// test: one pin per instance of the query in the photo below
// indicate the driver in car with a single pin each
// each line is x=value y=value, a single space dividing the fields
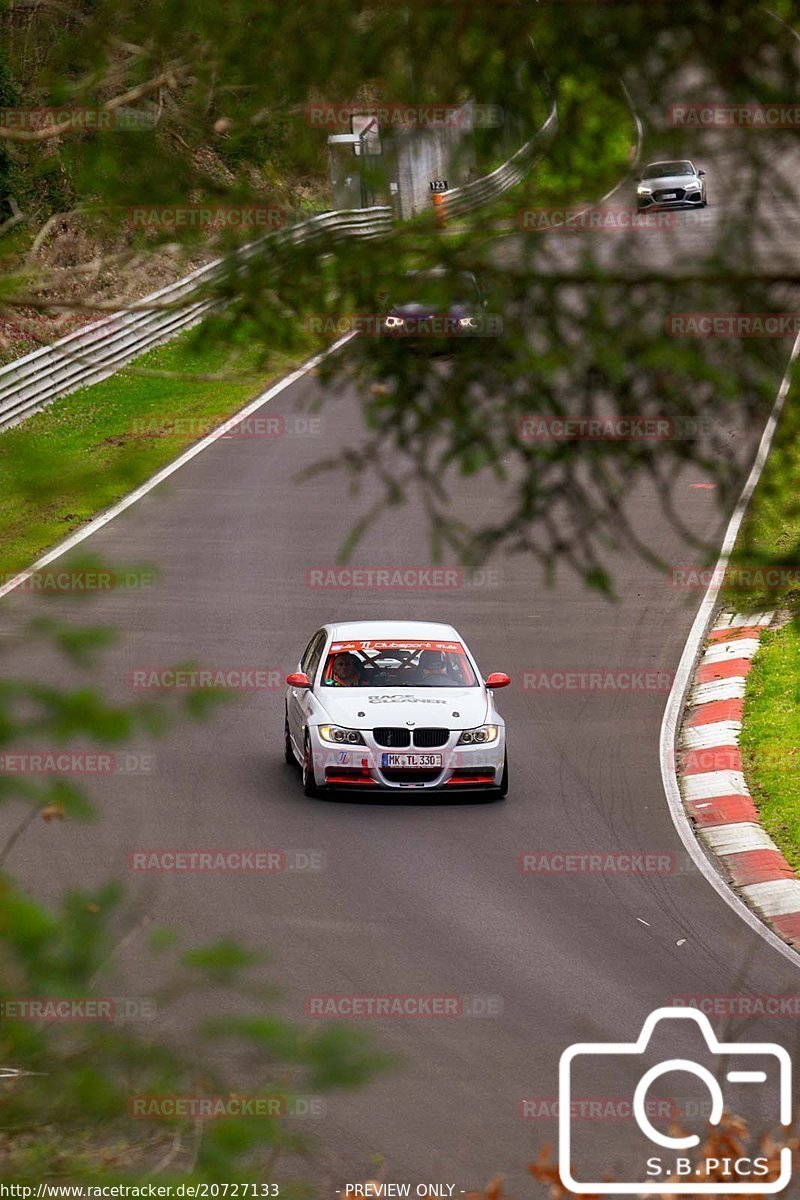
x=346 y=671
x=431 y=663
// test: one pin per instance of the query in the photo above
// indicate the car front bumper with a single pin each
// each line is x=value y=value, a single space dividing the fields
x=649 y=203
x=361 y=768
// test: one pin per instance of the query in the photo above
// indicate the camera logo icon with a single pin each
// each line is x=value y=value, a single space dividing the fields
x=668 y=1169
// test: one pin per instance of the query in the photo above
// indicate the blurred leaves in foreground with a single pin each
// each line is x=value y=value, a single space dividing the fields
x=70 y=1086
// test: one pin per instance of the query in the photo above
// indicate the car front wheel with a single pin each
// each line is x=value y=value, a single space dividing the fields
x=288 y=748
x=309 y=783
x=502 y=791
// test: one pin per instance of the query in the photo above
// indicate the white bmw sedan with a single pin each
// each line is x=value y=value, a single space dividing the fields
x=394 y=706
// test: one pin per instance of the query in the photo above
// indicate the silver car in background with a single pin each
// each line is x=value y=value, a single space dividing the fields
x=674 y=183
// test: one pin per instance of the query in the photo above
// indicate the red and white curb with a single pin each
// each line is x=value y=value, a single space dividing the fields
x=712 y=782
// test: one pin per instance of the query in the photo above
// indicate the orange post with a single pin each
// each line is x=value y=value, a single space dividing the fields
x=440 y=204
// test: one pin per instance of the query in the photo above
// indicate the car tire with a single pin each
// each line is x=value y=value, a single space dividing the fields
x=502 y=791
x=288 y=749
x=310 y=788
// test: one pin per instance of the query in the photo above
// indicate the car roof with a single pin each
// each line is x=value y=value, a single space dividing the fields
x=386 y=630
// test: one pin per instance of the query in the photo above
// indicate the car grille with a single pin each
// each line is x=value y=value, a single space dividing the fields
x=398 y=738
x=675 y=193
x=392 y=737
x=431 y=737
x=411 y=774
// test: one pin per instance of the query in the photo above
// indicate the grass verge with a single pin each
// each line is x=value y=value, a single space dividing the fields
x=771 y=737
x=763 y=574
x=86 y=451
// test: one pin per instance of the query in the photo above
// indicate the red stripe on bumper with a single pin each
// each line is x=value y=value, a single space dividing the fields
x=469 y=779
x=351 y=780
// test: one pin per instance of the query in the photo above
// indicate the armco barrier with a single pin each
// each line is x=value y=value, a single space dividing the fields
x=99 y=349
x=458 y=201
x=102 y=347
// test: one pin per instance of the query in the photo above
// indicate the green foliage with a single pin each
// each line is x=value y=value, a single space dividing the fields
x=69 y=1104
x=8 y=176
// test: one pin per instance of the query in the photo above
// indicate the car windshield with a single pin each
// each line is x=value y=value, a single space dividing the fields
x=397 y=664
x=437 y=291
x=661 y=169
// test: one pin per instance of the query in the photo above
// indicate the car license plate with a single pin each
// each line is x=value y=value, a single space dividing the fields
x=670 y=196
x=411 y=760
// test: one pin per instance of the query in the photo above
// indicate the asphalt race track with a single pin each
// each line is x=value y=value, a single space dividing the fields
x=414 y=898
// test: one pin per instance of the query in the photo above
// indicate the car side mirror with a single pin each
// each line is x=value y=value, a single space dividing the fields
x=498 y=679
x=298 y=679
x=701 y=173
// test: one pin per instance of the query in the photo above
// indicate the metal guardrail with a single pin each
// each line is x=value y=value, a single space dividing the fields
x=102 y=347
x=460 y=200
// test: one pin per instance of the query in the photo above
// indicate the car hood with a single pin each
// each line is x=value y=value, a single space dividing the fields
x=424 y=706
x=669 y=182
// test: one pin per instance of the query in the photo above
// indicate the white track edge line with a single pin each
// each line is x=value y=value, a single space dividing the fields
x=104 y=518
x=683 y=681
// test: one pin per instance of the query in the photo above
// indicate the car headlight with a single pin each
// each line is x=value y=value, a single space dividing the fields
x=694 y=186
x=479 y=736
x=644 y=190
x=393 y=322
x=334 y=733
